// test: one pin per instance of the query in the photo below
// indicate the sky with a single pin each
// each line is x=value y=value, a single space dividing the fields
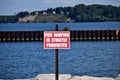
x=10 y=7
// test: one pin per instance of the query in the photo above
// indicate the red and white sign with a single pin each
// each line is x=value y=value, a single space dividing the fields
x=56 y=40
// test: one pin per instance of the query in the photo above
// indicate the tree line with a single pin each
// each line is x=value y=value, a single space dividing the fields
x=78 y=13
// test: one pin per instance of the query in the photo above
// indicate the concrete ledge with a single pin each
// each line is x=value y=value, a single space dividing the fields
x=90 y=78
x=17 y=79
x=52 y=77
x=118 y=77
x=67 y=77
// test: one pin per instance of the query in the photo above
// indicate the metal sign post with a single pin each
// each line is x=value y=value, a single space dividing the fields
x=56 y=40
x=57 y=60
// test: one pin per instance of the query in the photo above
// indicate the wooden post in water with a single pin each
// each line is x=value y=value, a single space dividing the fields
x=18 y=36
x=78 y=35
x=4 y=36
x=36 y=36
x=0 y=37
x=72 y=35
x=41 y=35
x=89 y=35
x=107 y=35
x=81 y=35
x=98 y=35
x=110 y=35
x=31 y=35
x=116 y=37
x=22 y=36
x=8 y=36
x=85 y=35
x=119 y=35
x=94 y=35
x=27 y=36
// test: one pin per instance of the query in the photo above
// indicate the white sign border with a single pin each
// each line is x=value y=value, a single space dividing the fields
x=57 y=48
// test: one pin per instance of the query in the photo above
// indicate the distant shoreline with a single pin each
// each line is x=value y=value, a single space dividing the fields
x=58 y=22
x=77 y=13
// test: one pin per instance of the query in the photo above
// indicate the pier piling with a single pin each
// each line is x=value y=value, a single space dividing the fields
x=76 y=35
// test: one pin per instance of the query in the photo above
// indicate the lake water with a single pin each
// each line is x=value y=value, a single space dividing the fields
x=27 y=59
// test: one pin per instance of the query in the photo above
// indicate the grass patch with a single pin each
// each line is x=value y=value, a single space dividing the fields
x=50 y=18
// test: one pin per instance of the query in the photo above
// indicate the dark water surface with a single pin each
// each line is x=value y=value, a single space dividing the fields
x=27 y=59
x=51 y=26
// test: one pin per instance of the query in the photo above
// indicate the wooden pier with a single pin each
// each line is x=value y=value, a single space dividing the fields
x=76 y=35
x=95 y=35
x=16 y=36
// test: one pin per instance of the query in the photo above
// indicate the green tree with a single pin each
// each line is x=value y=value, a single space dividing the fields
x=22 y=14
